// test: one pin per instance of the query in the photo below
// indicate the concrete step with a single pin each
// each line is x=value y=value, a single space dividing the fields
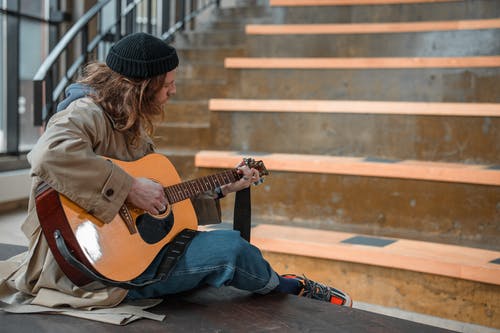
x=199 y=89
x=406 y=199
x=406 y=44
x=244 y=12
x=182 y=159
x=345 y=132
x=210 y=39
x=423 y=84
x=208 y=55
x=235 y=23
x=183 y=136
x=201 y=71
x=396 y=12
x=391 y=272
x=195 y=112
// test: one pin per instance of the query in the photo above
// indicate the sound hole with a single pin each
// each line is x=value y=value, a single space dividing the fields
x=153 y=230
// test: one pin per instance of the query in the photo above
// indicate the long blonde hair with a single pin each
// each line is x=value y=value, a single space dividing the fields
x=130 y=102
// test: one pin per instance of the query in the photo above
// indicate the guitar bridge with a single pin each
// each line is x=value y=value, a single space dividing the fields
x=127 y=218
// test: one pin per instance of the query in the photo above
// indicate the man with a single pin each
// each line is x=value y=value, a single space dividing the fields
x=114 y=115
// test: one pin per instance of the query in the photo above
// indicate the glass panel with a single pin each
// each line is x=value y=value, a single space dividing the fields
x=30 y=7
x=33 y=49
x=33 y=46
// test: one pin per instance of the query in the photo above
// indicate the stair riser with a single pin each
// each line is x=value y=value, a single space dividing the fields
x=426 y=44
x=445 y=297
x=470 y=9
x=210 y=39
x=452 y=213
x=430 y=85
x=205 y=71
x=192 y=138
x=207 y=56
x=200 y=91
x=431 y=138
x=244 y=12
x=194 y=113
x=184 y=164
x=235 y=23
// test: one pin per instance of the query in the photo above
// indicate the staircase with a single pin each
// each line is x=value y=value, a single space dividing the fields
x=379 y=121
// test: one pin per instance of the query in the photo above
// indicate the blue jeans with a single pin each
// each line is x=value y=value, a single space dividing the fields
x=216 y=258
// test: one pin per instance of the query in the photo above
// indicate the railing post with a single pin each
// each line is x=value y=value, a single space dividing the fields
x=192 y=9
x=118 y=13
x=165 y=16
x=149 y=25
x=84 y=42
x=12 y=81
x=129 y=19
x=48 y=109
x=181 y=13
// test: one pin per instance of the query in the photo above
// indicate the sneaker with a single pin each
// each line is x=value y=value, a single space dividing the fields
x=319 y=291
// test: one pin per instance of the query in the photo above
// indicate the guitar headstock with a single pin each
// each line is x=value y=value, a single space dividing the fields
x=257 y=165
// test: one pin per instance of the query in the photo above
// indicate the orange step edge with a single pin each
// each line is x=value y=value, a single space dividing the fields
x=370 y=28
x=362 y=63
x=356 y=107
x=426 y=257
x=356 y=166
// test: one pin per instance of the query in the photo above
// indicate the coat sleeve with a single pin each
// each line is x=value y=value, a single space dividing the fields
x=64 y=158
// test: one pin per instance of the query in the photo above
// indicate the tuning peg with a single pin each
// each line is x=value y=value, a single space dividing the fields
x=260 y=181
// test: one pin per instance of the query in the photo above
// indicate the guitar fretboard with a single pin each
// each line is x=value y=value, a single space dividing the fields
x=192 y=188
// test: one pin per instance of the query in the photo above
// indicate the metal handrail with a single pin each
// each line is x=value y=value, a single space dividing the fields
x=45 y=96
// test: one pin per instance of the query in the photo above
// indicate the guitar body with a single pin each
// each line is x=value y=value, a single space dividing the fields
x=115 y=250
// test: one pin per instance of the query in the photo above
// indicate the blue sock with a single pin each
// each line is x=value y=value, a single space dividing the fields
x=289 y=286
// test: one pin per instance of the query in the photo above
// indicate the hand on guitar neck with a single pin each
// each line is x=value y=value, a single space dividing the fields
x=249 y=176
x=149 y=195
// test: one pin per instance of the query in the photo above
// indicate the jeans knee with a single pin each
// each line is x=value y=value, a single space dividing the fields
x=236 y=244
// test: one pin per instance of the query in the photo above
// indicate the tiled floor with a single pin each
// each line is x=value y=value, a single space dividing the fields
x=10 y=233
x=10 y=228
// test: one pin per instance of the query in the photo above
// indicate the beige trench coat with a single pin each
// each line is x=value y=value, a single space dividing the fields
x=66 y=157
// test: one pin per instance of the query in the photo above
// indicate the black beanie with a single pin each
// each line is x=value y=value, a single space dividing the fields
x=141 y=55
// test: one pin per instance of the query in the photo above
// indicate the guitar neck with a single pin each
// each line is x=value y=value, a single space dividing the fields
x=192 y=188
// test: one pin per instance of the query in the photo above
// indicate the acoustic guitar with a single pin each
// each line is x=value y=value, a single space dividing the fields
x=123 y=248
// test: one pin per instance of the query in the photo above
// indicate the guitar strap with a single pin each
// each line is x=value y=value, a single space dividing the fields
x=175 y=250
x=243 y=213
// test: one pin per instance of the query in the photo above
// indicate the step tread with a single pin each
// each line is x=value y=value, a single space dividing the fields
x=362 y=62
x=370 y=28
x=359 y=166
x=359 y=107
x=441 y=259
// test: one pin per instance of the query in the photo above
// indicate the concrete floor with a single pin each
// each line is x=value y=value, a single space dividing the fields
x=10 y=233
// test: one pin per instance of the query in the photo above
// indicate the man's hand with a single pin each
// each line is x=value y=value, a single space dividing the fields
x=147 y=195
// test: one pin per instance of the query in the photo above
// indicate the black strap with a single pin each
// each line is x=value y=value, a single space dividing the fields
x=176 y=249
x=179 y=244
x=243 y=213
